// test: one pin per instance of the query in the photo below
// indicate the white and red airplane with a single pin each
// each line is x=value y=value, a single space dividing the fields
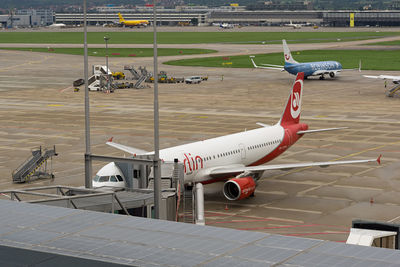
x=237 y=158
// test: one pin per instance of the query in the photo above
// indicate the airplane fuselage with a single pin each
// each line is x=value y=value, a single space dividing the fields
x=313 y=68
x=249 y=148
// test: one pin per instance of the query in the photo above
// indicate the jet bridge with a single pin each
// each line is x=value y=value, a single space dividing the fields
x=374 y=234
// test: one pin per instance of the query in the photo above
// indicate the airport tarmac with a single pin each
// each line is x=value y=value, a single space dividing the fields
x=40 y=108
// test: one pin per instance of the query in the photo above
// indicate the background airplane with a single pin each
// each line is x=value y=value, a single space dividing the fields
x=132 y=23
x=224 y=25
x=235 y=159
x=294 y=25
x=318 y=68
x=395 y=79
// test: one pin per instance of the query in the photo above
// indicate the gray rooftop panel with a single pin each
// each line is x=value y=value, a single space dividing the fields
x=30 y=236
x=295 y=243
x=230 y=261
x=79 y=237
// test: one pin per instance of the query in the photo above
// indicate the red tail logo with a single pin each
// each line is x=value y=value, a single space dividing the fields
x=287 y=57
x=293 y=107
x=296 y=99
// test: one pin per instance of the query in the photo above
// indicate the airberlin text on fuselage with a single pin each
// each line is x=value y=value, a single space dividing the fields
x=192 y=163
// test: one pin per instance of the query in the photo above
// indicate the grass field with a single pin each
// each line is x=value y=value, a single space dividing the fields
x=371 y=59
x=118 y=52
x=386 y=43
x=186 y=37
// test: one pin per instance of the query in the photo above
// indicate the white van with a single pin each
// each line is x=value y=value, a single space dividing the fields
x=193 y=79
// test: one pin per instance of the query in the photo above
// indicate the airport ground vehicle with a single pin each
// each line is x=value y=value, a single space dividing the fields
x=118 y=75
x=193 y=79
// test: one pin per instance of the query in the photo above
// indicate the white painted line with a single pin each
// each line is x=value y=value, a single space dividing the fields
x=295 y=210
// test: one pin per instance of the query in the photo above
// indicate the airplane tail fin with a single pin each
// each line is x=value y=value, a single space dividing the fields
x=291 y=114
x=121 y=18
x=286 y=53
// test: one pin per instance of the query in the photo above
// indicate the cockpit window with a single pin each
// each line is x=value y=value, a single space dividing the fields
x=103 y=179
x=96 y=178
x=120 y=178
x=113 y=179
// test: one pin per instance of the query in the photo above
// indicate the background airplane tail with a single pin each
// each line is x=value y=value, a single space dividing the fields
x=121 y=18
x=291 y=113
x=286 y=54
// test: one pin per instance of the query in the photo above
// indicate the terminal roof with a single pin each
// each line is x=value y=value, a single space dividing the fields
x=40 y=235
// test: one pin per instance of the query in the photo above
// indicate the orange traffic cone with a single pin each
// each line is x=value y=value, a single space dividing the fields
x=226 y=207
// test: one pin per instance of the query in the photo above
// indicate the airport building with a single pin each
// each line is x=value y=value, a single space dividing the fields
x=204 y=17
x=28 y=18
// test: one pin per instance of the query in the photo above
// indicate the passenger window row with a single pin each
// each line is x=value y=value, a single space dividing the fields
x=229 y=153
x=263 y=145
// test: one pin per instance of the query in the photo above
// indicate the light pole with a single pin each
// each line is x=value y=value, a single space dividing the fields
x=156 y=167
x=88 y=161
x=108 y=78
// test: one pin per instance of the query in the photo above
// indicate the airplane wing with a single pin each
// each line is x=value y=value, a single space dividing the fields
x=257 y=169
x=266 y=66
x=131 y=150
x=321 y=130
x=384 y=77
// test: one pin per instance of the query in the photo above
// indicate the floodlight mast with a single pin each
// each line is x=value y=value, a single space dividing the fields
x=106 y=38
x=88 y=161
x=156 y=165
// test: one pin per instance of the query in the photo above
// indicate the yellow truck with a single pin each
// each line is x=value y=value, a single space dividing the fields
x=118 y=75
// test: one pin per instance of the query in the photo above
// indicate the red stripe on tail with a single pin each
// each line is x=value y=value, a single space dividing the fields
x=291 y=114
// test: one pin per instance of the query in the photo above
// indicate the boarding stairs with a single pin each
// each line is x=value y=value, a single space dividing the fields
x=34 y=166
x=139 y=83
x=393 y=91
x=134 y=73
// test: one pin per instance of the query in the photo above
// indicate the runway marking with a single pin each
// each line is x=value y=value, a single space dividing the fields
x=26 y=63
x=321 y=233
x=55 y=105
x=17 y=86
x=394 y=219
x=295 y=210
x=240 y=221
x=65 y=89
x=367 y=170
x=216 y=213
x=358 y=187
x=292 y=226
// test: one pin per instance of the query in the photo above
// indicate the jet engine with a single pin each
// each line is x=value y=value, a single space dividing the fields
x=332 y=74
x=239 y=188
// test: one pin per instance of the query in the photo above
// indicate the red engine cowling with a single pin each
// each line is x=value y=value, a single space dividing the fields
x=239 y=188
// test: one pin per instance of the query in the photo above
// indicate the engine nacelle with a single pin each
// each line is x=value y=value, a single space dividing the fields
x=239 y=188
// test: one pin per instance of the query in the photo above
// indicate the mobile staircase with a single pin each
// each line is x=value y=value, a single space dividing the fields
x=35 y=166
x=141 y=75
x=393 y=91
x=139 y=83
x=133 y=71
